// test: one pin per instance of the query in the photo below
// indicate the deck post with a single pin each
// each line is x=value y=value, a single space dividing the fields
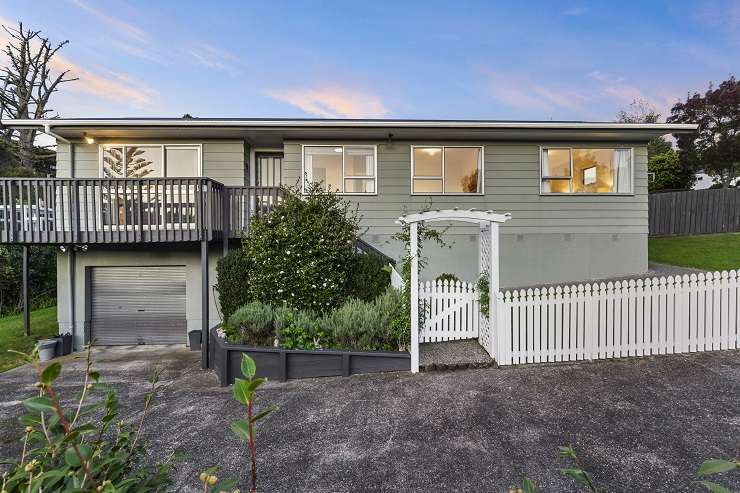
x=26 y=307
x=204 y=302
x=414 y=253
x=226 y=219
x=71 y=300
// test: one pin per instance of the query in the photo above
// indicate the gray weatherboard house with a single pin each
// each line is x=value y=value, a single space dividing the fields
x=142 y=209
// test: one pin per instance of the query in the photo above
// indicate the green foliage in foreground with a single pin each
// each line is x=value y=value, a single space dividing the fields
x=708 y=252
x=244 y=392
x=43 y=326
x=84 y=446
x=577 y=473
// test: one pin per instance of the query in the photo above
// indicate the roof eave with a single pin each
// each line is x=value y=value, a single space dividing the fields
x=327 y=123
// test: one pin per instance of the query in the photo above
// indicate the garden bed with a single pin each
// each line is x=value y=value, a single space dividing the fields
x=283 y=364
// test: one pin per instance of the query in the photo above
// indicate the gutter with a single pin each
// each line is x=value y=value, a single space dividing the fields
x=47 y=130
x=348 y=123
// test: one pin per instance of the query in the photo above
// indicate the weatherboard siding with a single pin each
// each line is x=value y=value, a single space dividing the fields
x=223 y=161
x=562 y=237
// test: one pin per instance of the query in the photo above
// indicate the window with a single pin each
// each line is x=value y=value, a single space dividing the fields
x=586 y=170
x=150 y=161
x=446 y=170
x=348 y=169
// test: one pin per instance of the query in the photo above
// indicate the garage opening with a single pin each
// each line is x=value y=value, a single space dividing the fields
x=137 y=305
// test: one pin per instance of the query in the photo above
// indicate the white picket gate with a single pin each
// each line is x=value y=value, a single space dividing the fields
x=617 y=319
x=449 y=310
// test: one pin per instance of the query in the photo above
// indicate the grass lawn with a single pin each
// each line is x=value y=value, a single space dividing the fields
x=43 y=325
x=708 y=252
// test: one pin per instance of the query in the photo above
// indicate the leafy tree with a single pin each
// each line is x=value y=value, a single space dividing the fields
x=42 y=277
x=641 y=111
x=715 y=146
x=668 y=172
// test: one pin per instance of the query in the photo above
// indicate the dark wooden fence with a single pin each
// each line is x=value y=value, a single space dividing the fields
x=695 y=212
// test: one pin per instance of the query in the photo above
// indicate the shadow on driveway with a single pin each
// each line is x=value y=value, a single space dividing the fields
x=638 y=425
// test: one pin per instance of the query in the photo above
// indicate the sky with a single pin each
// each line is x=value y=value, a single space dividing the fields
x=524 y=60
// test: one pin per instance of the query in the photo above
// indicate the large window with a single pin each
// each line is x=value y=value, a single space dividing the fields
x=586 y=170
x=347 y=169
x=150 y=161
x=446 y=170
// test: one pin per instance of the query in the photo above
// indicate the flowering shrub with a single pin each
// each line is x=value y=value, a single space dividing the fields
x=302 y=250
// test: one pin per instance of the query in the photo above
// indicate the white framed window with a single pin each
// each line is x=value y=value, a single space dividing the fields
x=446 y=170
x=345 y=169
x=150 y=160
x=586 y=170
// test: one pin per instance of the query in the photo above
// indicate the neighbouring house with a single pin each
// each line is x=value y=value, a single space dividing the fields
x=142 y=209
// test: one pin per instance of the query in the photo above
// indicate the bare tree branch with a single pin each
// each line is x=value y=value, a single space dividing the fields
x=27 y=83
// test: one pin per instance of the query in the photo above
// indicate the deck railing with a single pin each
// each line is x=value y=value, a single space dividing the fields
x=123 y=210
x=245 y=203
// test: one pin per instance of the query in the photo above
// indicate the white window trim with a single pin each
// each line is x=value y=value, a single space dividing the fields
x=162 y=146
x=481 y=168
x=344 y=177
x=585 y=194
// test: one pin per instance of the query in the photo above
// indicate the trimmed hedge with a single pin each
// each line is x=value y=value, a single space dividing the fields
x=232 y=281
x=368 y=277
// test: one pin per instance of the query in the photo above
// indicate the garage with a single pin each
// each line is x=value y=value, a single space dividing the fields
x=137 y=305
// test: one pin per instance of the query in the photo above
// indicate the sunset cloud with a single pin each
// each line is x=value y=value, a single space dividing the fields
x=99 y=83
x=123 y=27
x=110 y=85
x=215 y=58
x=520 y=92
x=333 y=102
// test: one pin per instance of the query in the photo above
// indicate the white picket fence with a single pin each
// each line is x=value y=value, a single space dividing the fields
x=617 y=319
x=449 y=310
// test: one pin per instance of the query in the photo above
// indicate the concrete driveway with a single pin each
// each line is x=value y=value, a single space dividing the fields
x=638 y=425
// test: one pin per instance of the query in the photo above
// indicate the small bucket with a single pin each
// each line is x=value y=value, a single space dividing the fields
x=47 y=349
x=194 y=337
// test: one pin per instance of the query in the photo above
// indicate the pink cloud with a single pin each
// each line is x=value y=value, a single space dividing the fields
x=101 y=83
x=520 y=92
x=333 y=102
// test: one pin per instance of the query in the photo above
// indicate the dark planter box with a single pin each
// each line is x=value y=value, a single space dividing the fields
x=284 y=364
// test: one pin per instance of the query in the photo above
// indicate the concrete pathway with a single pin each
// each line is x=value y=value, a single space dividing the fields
x=643 y=424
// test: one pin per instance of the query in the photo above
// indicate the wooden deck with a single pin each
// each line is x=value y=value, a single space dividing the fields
x=60 y=211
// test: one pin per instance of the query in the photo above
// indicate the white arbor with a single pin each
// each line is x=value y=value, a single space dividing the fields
x=488 y=263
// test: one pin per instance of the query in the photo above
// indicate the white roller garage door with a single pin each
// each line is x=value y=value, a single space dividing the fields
x=138 y=305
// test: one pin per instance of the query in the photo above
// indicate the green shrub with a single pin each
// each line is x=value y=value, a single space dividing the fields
x=447 y=277
x=302 y=250
x=232 y=282
x=254 y=321
x=355 y=325
x=376 y=325
x=367 y=278
x=394 y=319
x=300 y=329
